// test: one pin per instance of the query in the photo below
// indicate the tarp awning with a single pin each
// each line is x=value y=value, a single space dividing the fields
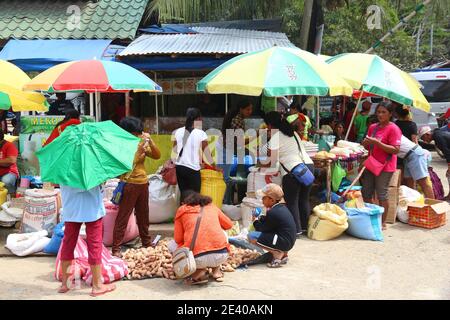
x=39 y=55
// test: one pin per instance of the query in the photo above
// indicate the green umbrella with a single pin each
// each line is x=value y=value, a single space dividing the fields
x=86 y=155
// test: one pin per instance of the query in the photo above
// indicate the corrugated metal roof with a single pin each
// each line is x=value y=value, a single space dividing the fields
x=208 y=40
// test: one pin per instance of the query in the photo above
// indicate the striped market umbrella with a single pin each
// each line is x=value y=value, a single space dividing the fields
x=12 y=79
x=374 y=75
x=92 y=76
x=274 y=72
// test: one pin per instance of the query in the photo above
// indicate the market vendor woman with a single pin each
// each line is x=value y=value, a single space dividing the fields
x=383 y=142
x=135 y=193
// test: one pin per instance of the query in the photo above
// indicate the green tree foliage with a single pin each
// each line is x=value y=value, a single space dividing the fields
x=346 y=27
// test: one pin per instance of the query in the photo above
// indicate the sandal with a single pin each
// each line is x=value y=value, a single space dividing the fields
x=190 y=281
x=285 y=259
x=276 y=263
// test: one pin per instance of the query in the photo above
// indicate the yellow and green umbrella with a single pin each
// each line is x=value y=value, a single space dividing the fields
x=372 y=74
x=274 y=72
x=12 y=79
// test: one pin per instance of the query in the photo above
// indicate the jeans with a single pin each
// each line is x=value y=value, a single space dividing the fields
x=10 y=180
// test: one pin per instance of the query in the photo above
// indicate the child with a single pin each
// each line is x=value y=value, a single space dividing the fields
x=276 y=231
x=339 y=132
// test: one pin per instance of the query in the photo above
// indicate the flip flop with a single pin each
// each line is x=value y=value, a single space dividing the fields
x=276 y=263
x=190 y=281
x=285 y=259
x=109 y=289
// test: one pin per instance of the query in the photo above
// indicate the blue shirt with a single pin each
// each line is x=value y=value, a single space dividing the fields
x=81 y=205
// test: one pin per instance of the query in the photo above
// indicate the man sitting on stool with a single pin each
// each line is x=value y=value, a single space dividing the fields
x=8 y=164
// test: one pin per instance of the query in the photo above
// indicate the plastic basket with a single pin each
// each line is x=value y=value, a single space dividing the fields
x=426 y=218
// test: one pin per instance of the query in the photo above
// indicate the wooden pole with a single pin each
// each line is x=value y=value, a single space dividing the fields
x=329 y=181
x=354 y=115
x=127 y=104
x=157 y=112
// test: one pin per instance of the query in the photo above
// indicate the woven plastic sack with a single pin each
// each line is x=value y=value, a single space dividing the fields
x=365 y=223
x=113 y=268
x=109 y=220
x=328 y=221
x=213 y=185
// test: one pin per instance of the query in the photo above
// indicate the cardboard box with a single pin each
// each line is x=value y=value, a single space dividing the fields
x=393 y=197
x=431 y=214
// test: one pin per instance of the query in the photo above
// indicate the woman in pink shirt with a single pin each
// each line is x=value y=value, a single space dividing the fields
x=383 y=142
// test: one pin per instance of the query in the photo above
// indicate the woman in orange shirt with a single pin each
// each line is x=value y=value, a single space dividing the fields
x=211 y=246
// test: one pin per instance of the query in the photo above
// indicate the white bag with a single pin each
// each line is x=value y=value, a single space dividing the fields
x=24 y=244
x=247 y=207
x=405 y=196
x=259 y=177
x=16 y=213
x=162 y=200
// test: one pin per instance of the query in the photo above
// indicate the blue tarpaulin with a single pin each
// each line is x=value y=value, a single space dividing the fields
x=39 y=55
x=167 y=29
x=165 y=63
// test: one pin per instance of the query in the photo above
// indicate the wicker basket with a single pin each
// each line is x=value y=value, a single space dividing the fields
x=430 y=215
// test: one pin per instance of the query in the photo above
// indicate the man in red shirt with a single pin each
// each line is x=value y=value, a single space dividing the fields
x=8 y=163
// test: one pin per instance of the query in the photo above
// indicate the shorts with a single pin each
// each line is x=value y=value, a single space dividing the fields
x=211 y=260
x=370 y=183
x=416 y=165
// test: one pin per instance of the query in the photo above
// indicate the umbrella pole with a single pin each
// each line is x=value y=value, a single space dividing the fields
x=354 y=115
x=318 y=114
x=226 y=103
x=127 y=103
x=91 y=104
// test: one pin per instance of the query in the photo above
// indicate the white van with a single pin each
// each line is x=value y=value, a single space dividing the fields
x=436 y=89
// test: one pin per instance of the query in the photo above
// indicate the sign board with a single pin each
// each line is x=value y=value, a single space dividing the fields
x=34 y=131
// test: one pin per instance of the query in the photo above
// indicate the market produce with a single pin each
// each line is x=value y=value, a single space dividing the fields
x=237 y=257
x=157 y=262
x=150 y=262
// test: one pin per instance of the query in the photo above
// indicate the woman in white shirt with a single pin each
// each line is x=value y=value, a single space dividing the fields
x=286 y=147
x=415 y=166
x=190 y=142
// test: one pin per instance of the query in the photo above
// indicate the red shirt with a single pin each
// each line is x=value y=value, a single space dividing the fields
x=390 y=135
x=59 y=129
x=9 y=150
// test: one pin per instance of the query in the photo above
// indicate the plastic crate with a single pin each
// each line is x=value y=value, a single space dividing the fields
x=430 y=215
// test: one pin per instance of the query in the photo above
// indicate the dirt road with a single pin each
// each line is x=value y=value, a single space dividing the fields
x=411 y=263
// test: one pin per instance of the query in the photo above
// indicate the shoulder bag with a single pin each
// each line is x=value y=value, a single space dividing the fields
x=301 y=172
x=183 y=258
x=168 y=172
x=372 y=164
x=118 y=191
